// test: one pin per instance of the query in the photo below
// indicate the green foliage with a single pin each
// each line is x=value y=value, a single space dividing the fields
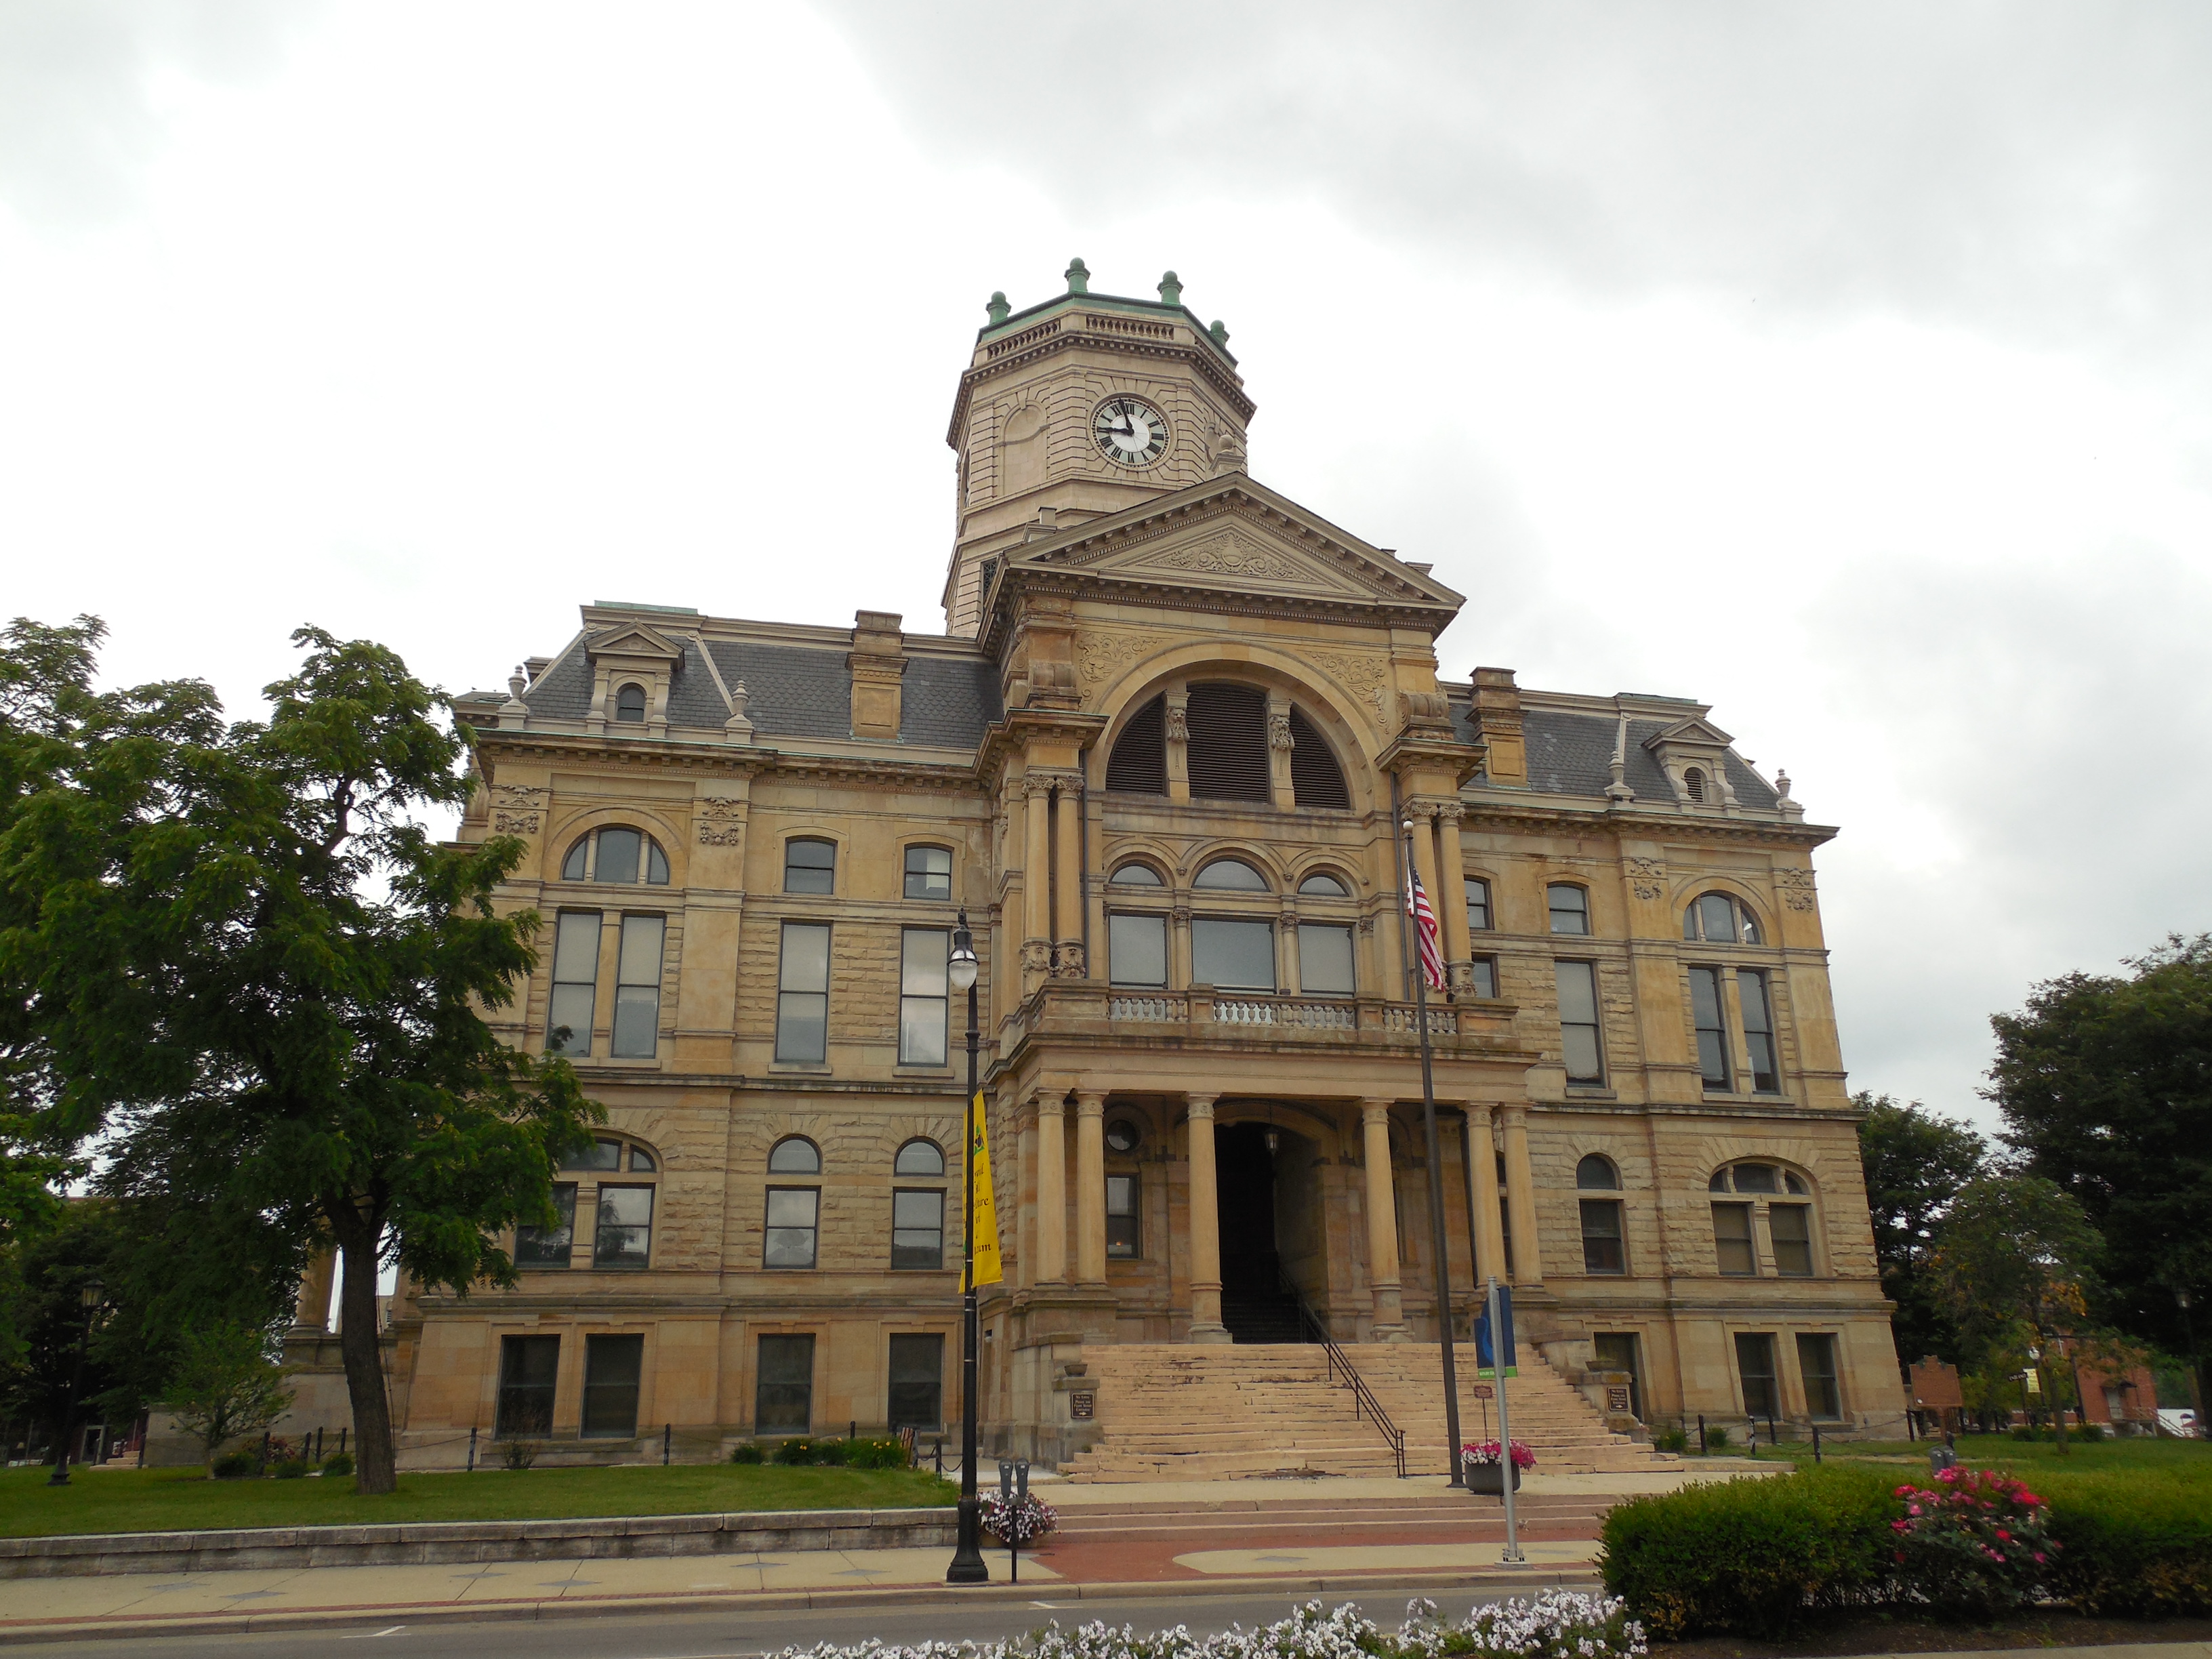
x=2137 y=1549
x=1717 y=1437
x=1676 y=1439
x=2106 y=1085
x=747 y=1451
x=1751 y=1557
x=338 y=1463
x=226 y=1386
x=518 y=1455
x=290 y=1469
x=1915 y=1161
x=875 y=1454
x=241 y=958
x=236 y=1466
x=799 y=1453
x=1974 y=1543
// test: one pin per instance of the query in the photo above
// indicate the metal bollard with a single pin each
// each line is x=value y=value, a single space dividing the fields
x=941 y=1456
x=667 y=1442
x=1704 y=1446
x=1816 y=1442
x=472 y=1451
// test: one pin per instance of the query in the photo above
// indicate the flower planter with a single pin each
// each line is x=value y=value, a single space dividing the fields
x=1488 y=1479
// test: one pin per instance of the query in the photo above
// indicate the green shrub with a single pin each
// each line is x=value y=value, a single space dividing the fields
x=236 y=1465
x=798 y=1452
x=832 y=1452
x=1717 y=1437
x=2092 y=1432
x=518 y=1455
x=290 y=1469
x=1671 y=1440
x=338 y=1463
x=2138 y=1547
x=875 y=1454
x=1750 y=1556
x=748 y=1452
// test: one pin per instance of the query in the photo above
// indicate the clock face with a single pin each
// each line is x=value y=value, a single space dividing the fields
x=1130 y=430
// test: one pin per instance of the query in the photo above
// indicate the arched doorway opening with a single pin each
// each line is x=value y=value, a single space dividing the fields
x=1274 y=1235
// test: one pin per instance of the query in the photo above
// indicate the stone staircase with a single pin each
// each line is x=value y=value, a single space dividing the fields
x=1187 y=1412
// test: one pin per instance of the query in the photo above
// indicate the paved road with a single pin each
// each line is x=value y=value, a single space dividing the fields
x=732 y=1635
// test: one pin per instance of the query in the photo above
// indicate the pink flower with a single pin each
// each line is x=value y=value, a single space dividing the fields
x=1912 y=1509
x=2005 y=1536
x=2040 y=1558
x=1900 y=1492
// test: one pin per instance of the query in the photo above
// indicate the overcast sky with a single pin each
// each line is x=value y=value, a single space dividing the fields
x=1843 y=366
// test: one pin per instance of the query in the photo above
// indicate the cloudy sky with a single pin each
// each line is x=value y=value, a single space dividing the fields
x=1843 y=366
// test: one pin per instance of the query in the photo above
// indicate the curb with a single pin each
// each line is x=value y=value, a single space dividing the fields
x=1528 y=1577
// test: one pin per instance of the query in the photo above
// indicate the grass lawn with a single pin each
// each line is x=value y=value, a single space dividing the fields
x=179 y=1500
x=2187 y=1461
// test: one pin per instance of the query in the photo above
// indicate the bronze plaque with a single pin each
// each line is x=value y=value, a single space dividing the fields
x=1082 y=1403
x=1616 y=1399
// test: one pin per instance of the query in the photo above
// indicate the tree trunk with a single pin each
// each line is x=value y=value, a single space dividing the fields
x=375 y=1466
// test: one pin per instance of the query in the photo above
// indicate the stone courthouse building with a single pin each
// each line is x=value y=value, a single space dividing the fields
x=1159 y=756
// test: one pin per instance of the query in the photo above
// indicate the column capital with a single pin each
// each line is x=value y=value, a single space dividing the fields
x=1478 y=1111
x=1090 y=1102
x=1451 y=812
x=1050 y=1103
x=1200 y=1107
x=1513 y=1115
x=1375 y=1111
x=1418 y=810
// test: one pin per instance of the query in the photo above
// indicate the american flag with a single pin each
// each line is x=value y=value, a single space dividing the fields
x=1424 y=930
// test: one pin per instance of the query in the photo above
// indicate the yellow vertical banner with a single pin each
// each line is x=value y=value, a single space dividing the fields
x=987 y=1271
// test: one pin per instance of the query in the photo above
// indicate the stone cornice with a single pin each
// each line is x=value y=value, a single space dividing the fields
x=1223 y=384
x=1482 y=814
x=888 y=771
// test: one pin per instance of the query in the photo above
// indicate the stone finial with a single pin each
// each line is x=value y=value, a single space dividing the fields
x=1782 y=804
x=998 y=309
x=737 y=727
x=1219 y=332
x=1171 y=288
x=514 y=704
x=1078 y=276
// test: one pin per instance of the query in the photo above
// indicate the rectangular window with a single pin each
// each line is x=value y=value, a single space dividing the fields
x=1578 y=1029
x=1754 y=1364
x=1732 y=1240
x=923 y=953
x=1569 y=908
x=1325 y=960
x=1484 y=980
x=1233 y=956
x=1601 y=1243
x=810 y=866
x=1816 y=1363
x=928 y=873
x=1615 y=1350
x=1790 y=1226
x=783 y=1392
x=1759 y=1030
x=1125 y=1237
x=612 y=1368
x=918 y=1229
x=623 y=1238
x=548 y=1247
x=802 y=1002
x=1712 y=1031
x=1478 y=906
x=1136 y=949
x=637 y=988
x=527 y=1367
x=576 y=982
x=917 y=1381
x=792 y=1215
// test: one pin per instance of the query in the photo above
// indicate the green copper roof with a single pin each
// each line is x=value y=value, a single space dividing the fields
x=1004 y=321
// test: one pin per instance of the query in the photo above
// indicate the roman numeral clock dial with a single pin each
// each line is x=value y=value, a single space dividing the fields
x=1130 y=431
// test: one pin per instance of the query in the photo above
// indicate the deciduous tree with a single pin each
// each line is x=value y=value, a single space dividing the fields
x=1915 y=1163
x=226 y=1386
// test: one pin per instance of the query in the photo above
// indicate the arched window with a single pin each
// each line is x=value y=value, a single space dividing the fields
x=1595 y=1173
x=629 y=703
x=1316 y=778
x=919 y=1158
x=1321 y=884
x=1138 y=763
x=1228 y=755
x=1785 y=1196
x=622 y=1210
x=809 y=865
x=1231 y=875
x=1569 y=908
x=1135 y=875
x=616 y=855
x=1693 y=783
x=794 y=1155
x=1720 y=919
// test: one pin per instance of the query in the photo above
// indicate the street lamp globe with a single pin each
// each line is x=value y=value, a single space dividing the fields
x=961 y=969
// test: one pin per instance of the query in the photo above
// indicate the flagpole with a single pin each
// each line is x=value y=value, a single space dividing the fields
x=1424 y=933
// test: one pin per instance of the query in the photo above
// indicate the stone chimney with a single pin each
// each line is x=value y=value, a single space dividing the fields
x=878 y=664
x=1497 y=722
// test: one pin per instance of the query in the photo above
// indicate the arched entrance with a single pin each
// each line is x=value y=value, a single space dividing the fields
x=1273 y=1234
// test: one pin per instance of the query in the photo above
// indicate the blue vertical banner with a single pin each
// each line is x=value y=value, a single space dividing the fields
x=1486 y=1362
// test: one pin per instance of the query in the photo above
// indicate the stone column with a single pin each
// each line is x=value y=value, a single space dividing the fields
x=1451 y=895
x=312 y=1312
x=1205 y=1324
x=1036 y=883
x=1091 y=1186
x=1482 y=1174
x=1025 y=1198
x=1179 y=948
x=1381 y=1225
x=1067 y=865
x=1288 y=974
x=1520 y=1193
x=1052 y=1190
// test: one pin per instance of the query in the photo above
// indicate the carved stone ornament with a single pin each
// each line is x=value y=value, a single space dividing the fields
x=1230 y=555
x=515 y=824
x=1036 y=956
x=1365 y=674
x=519 y=797
x=1101 y=656
x=1796 y=887
x=1649 y=890
x=1067 y=959
x=1648 y=877
x=1178 y=724
x=721 y=834
x=1279 y=730
x=1424 y=708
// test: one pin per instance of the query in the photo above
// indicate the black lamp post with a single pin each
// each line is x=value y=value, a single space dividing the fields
x=968 y=1566
x=1436 y=1215
x=91 y=1298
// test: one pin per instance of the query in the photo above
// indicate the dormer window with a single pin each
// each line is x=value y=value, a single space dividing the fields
x=629 y=704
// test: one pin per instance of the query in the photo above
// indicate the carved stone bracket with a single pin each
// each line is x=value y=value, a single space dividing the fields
x=1036 y=956
x=1067 y=959
x=1279 y=730
x=1796 y=887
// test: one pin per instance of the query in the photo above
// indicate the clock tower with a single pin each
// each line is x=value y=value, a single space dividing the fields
x=1084 y=405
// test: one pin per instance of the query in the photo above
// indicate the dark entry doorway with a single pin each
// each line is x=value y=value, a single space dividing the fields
x=1253 y=1304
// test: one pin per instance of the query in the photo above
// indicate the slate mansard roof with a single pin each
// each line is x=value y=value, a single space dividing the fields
x=799 y=689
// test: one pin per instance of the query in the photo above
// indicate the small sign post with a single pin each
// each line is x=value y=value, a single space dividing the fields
x=1498 y=1318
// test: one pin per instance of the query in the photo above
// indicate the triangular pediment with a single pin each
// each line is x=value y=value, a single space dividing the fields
x=633 y=639
x=1689 y=731
x=1232 y=536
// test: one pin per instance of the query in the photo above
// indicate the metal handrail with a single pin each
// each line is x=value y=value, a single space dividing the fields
x=1340 y=1366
